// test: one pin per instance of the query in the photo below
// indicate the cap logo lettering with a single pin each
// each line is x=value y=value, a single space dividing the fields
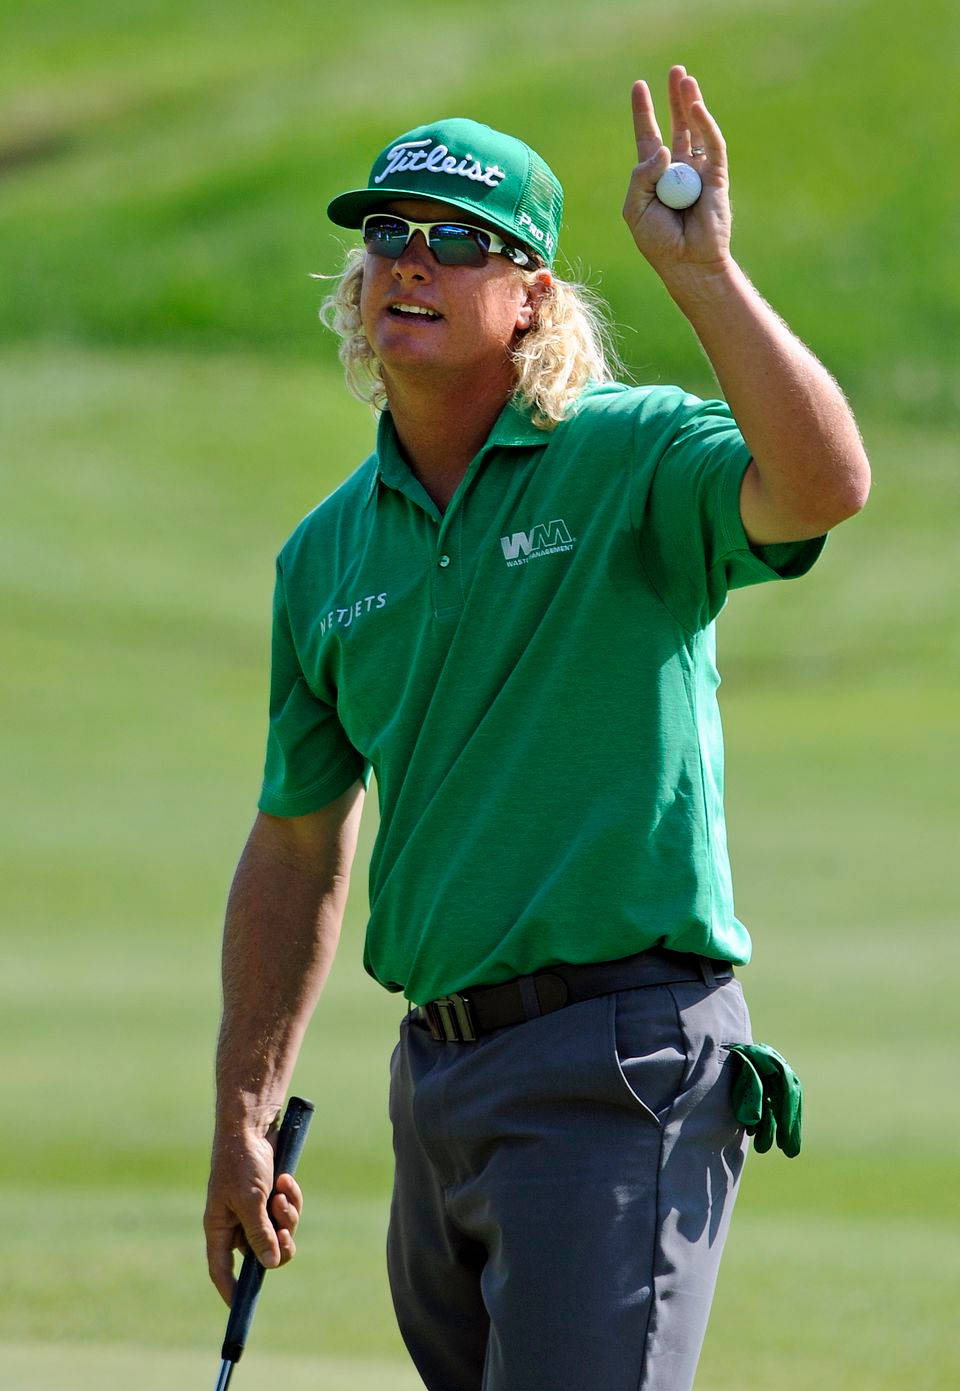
x=412 y=155
x=546 y=237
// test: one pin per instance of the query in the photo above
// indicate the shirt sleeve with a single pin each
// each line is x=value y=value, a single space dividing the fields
x=309 y=760
x=685 y=509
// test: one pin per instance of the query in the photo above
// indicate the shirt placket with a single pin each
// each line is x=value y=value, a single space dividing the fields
x=447 y=563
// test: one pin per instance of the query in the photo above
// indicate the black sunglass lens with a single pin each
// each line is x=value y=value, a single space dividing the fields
x=455 y=245
x=385 y=236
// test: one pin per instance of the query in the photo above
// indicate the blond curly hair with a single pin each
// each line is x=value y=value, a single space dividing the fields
x=569 y=344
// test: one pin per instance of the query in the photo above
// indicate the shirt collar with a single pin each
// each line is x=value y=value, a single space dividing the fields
x=512 y=429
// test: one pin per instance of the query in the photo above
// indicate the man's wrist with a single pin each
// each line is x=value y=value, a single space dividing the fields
x=705 y=287
x=246 y=1110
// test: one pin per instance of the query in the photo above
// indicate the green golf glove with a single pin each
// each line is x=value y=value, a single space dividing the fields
x=767 y=1097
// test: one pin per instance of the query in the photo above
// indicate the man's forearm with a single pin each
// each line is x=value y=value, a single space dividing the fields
x=282 y=928
x=279 y=942
x=802 y=435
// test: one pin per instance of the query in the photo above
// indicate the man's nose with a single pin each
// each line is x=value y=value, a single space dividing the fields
x=415 y=260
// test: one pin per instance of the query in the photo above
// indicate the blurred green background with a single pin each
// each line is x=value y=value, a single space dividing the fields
x=170 y=407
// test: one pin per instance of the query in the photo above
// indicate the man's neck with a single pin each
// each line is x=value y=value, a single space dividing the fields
x=442 y=427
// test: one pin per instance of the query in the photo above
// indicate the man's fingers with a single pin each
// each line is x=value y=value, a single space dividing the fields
x=680 y=141
x=286 y=1206
x=221 y=1237
x=263 y=1240
x=252 y=1228
x=708 y=134
x=270 y=1248
x=643 y=182
x=220 y=1266
x=287 y=1187
x=288 y=1247
x=284 y=1213
x=645 y=127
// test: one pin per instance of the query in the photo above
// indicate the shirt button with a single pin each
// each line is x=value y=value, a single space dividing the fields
x=443 y=562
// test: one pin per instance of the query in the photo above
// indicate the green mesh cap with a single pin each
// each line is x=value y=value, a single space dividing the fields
x=475 y=168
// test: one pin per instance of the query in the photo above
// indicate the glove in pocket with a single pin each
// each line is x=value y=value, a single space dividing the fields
x=767 y=1097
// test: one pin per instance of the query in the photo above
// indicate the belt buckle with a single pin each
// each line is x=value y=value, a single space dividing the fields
x=451 y=1019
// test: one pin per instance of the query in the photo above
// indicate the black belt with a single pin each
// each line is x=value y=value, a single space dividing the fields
x=466 y=1014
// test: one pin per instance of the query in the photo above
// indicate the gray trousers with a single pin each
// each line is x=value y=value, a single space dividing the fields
x=563 y=1191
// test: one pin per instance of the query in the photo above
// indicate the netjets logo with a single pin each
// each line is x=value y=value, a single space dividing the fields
x=344 y=618
x=546 y=538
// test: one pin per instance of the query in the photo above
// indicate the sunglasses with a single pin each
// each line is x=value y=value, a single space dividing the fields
x=452 y=243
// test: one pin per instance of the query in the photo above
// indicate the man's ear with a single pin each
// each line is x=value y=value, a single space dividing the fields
x=534 y=292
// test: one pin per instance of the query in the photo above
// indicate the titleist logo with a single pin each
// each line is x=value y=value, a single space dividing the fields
x=413 y=154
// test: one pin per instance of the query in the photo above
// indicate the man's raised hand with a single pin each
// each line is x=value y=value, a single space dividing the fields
x=679 y=245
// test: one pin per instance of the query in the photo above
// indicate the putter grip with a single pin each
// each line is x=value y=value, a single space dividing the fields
x=290 y=1138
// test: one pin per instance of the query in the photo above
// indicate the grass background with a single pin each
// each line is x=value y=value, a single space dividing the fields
x=169 y=408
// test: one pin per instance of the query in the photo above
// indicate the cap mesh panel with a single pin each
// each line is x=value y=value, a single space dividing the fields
x=542 y=201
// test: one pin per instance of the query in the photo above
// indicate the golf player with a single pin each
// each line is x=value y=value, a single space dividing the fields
x=506 y=614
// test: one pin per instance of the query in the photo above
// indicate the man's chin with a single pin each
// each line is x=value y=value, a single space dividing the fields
x=424 y=364
x=423 y=358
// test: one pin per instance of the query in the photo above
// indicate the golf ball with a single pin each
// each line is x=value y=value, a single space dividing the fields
x=679 y=186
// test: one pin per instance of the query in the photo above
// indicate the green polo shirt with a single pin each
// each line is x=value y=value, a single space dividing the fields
x=531 y=676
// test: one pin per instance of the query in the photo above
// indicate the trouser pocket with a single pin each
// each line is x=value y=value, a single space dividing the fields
x=647 y=1049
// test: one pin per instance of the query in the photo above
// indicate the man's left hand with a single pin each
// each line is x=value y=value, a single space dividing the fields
x=681 y=246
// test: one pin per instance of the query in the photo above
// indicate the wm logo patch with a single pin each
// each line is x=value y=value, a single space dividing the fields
x=546 y=538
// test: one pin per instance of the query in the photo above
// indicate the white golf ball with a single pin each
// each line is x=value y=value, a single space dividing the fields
x=679 y=186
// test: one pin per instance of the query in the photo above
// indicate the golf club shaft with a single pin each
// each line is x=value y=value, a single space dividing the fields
x=290 y=1140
